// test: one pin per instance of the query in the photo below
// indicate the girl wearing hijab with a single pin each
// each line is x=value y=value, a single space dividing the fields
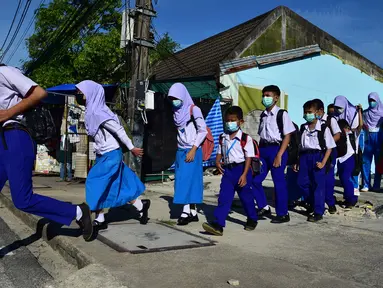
x=349 y=123
x=191 y=127
x=110 y=182
x=372 y=119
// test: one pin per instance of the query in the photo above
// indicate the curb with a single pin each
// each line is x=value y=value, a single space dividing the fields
x=46 y=230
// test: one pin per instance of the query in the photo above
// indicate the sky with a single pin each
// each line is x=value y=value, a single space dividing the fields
x=357 y=23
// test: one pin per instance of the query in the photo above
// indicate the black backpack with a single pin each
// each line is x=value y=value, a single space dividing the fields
x=358 y=155
x=341 y=145
x=295 y=139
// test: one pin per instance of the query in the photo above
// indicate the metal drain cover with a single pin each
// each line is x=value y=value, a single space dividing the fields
x=153 y=237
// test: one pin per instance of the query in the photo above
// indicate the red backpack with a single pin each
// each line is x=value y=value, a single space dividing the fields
x=208 y=143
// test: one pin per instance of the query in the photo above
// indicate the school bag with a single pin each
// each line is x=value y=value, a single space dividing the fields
x=341 y=145
x=208 y=144
x=358 y=155
x=255 y=161
x=295 y=139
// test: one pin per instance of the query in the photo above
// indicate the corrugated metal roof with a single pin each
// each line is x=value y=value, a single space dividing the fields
x=236 y=65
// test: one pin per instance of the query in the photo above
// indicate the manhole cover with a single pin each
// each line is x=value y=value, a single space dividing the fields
x=153 y=237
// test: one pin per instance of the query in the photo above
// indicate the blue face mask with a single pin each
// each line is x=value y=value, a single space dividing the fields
x=267 y=101
x=309 y=117
x=231 y=127
x=177 y=104
x=372 y=104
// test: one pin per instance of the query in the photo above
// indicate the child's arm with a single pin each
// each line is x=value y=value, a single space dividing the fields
x=320 y=165
x=330 y=144
x=201 y=135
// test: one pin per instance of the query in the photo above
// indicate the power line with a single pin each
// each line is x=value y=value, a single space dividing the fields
x=21 y=21
x=10 y=28
x=25 y=33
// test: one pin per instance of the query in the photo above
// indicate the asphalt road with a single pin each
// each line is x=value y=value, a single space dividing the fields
x=18 y=267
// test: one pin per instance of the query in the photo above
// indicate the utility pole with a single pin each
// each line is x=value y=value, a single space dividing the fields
x=142 y=14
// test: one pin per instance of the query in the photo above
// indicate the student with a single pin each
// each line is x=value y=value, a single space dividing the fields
x=317 y=143
x=372 y=119
x=234 y=161
x=17 y=153
x=110 y=182
x=273 y=153
x=332 y=123
x=188 y=188
x=356 y=179
x=347 y=112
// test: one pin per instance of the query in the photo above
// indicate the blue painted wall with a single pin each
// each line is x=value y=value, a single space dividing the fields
x=323 y=77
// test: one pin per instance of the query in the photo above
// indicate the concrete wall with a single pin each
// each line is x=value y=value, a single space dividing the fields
x=321 y=77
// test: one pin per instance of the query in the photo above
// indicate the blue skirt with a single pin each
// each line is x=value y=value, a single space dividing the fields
x=111 y=183
x=188 y=187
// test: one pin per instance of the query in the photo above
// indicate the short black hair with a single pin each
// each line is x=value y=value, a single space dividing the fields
x=272 y=88
x=318 y=104
x=235 y=110
x=343 y=124
x=309 y=104
x=331 y=106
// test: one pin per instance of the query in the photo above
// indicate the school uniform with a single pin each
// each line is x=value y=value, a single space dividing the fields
x=310 y=178
x=330 y=176
x=270 y=142
x=188 y=187
x=17 y=157
x=234 y=157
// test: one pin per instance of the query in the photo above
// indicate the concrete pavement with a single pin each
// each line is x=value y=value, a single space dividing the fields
x=342 y=251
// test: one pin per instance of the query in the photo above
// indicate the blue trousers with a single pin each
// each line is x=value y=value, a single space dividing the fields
x=330 y=180
x=373 y=143
x=229 y=185
x=311 y=180
x=345 y=172
x=16 y=164
x=278 y=174
x=292 y=185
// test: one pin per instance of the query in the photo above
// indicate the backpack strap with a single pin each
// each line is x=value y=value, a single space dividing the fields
x=280 y=121
x=302 y=129
x=243 y=141
x=192 y=118
x=328 y=122
x=352 y=139
x=321 y=140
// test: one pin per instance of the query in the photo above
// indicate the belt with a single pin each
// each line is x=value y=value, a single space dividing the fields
x=264 y=144
x=232 y=165
x=310 y=151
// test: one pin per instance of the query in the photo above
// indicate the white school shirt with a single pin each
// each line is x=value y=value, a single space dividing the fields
x=268 y=128
x=236 y=153
x=188 y=136
x=104 y=141
x=334 y=124
x=310 y=140
x=14 y=86
x=350 y=150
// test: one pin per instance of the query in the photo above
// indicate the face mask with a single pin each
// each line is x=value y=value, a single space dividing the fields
x=339 y=110
x=309 y=117
x=231 y=127
x=372 y=104
x=177 y=103
x=267 y=101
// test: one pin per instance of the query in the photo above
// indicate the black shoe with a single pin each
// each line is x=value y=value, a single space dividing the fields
x=213 y=228
x=264 y=212
x=347 y=205
x=100 y=225
x=250 y=224
x=332 y=209
x=86 y=222
x=281 y=219
x=315 y=218
x=145 y=208
x=182 y=221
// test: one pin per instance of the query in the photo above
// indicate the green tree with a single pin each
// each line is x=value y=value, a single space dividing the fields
x=92 y=52
x=164 y=48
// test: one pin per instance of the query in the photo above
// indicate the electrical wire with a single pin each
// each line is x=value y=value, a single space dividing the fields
x=13 y=22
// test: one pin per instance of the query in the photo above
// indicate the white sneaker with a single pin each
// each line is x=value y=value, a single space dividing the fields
x=364 y=189
x=356 y=192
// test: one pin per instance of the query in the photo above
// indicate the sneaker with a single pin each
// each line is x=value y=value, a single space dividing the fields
x=145 y=208
x=356 y=192
x=86 y=222
x=364 y=189
x=281 y=219
x=264 y=212
x=347 y=205
x=250 y=224
x=315 y=218
x=183 y=221
x=213 y=228
x=100 y=225
x=332 y=209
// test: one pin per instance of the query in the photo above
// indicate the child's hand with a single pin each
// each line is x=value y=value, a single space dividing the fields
x=190 y=156
x=242 y=181
x=219 y=167
x=295 y=167
x=320 y=165
x=137 y=152
x=277 y=161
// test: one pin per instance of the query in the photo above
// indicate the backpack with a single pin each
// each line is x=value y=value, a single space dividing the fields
x=295 y=139
x=358 y=155
x=255 y=161
x=341 y=145
x=208 y=144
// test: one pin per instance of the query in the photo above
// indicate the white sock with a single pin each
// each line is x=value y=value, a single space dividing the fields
x=100 y=218
x=186 y=211
x=193 y=212
x=78 y=213
x=267 y=207
x=138 y=204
